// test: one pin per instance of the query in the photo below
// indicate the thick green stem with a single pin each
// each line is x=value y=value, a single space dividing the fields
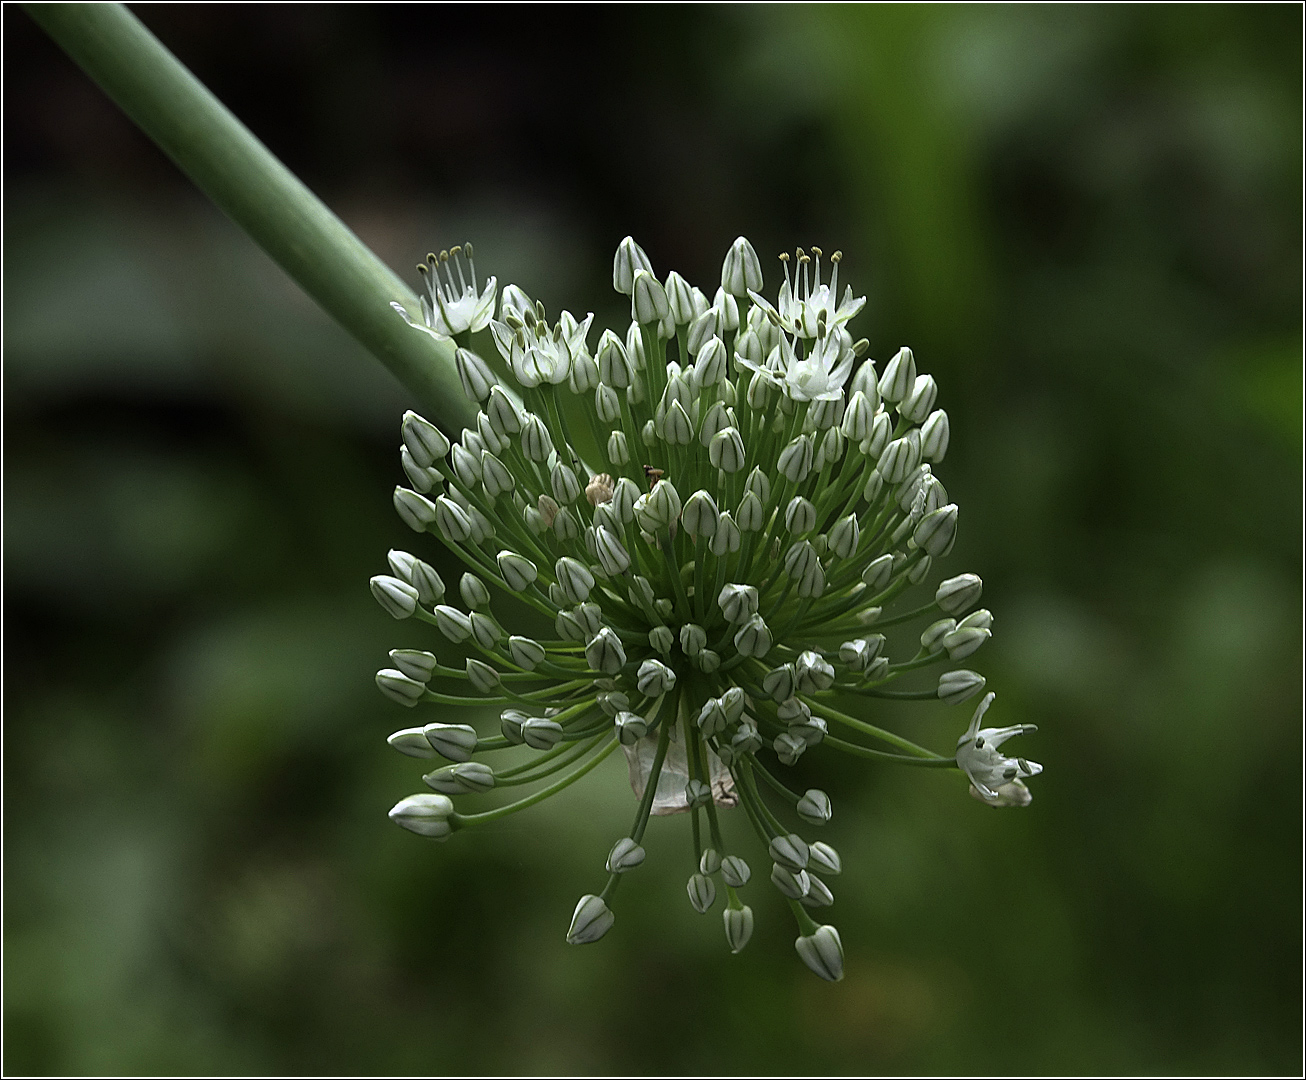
x=260 y=194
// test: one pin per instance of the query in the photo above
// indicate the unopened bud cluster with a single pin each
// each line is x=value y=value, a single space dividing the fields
x=717 y=513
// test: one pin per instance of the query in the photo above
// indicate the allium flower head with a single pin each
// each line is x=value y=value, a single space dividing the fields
x=715 y=514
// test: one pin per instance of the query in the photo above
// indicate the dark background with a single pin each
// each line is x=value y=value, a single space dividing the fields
x=1087 y=223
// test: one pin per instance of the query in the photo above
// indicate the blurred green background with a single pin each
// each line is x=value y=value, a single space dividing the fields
x=1085 y=220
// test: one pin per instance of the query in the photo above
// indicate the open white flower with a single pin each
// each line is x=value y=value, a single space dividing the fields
x=451 y=307
x=821 y=374
x=989 y=771
x=805 y=304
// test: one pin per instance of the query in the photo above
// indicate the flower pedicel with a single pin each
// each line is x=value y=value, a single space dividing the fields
x=717 y=591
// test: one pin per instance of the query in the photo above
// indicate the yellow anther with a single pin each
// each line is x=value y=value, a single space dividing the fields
x=817 y=251
x=836 y=256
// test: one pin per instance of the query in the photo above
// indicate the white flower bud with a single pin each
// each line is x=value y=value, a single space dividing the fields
x=800 y=516
x=710 y=364
x=483 y=677
x=754 y=638
x=711 y=718
x=426 y=442
x=466 y=464
x=934 y=436
x=937 y=531
x=735 y=872
x=415 y=663
x=814 y=673
x=858 y=418
x=485 y=630
x=426 y=815
x=618 y=451
x=468 y=778
x=606 y=403
x=477 y=378
x=397 y=597
x=844 y=536
x=660 y=508
x=614 y=366
x=703 y=329
x=510 y=722
x=482 y=530
x=612 y=554
x=424 y=480
x=454 y=523
x=541 y=734
x=956 y=686
x=574 y=579
x=965 y=640
x=518 y=573
x=693 y=639
x=416 y=511
x=662 y=639
x=821 y=856
x=873 y=445
x=789 y=747
x=727 y=309
x=677 y=428
x=739 y=926
x=726 y=450
x=584 y=374
x=592 y=918
x=399 y=687
x=741 y=272
x=831 y=448
x=702 y=892
x=502 y=413
x=717 y=418
x=818 y=893
x=625 y=855
x=796 y=459
x=746 y=740
x=700 y=514
x=933 y=635
x=759 y=484
x=794 y=710
x=631 y=727
x=456 y=742
x=679 y=299
x=525 y=652
x=726 y=539
x=654 y=678
x=751 y=514
x=979 y=620
x=759 y=390
x=474 y=593
x=822 y=952
x=780 y=683
x=900 y=457
x=899 y=376
x=916 y=406
x=564 y=525
x=604 y=652
x=648 y=299
x=864 y=382
x=412 y=742
x=708 y=661
x=536 y=443
x=799 y=558
x=420 y=575
x=792 y=884
x=452 y=623
x=566 y=488
x=877 y=573
x=814 y=807
x=738 y=603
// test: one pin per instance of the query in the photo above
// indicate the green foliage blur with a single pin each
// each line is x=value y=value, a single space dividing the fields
x=1086 y=221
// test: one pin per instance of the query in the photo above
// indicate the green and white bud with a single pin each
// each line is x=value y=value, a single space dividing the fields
x=584 y=374
x=411 y=742
x=844 y=536
x=709 y=862
x=483 y=677
x=800 y=516
x=415 y=663
x=612 y=554
x=426 y=442
x=937 y=530
x=726 y=451
x=525 y=652
x=399 y=687
x=916 y=406
x=566 y=488
x=781 y=683
x=818 y=893
x=452 y=623
x=934 y=436
x=677 y=428
x=899 y=376
x=790 y=852
x=625 y=855
x=814 y=673
x=426 y=815
x=751 y=514
x=467 y=462
x=965 y=640
x=592 y=919
x=874 y=444
x=604 y=652
x=630 y=258
x=424 y=480
x=979 y=620
x=727 y=308
x=739 y=926
x=957 y=594
x=518 y=573
x=648 y=299
x=502 y=413
x=630 y=727
x=662 y=639
x=796 y=459
x=956 y=686
x=703 y=329
x=735 y=871
x=613 y=702
x=475 y=374
x=654 y=678
x=510 y=722
x=711 y=363
x=878 y=572
x=680 y=300
x=540 y=734
x=565 y=527
x=814 y=807
x=900 y=458
x=457 y=742
x=421 y=576
x=789 y=747
x=700 y=514
x=858 y=418
x=693 y=639
x=741 y=273
x=468 y=778
x=933 y=635
x=536 y=443
x=614 y=366
x=754 y=638
x=606 y=403
x=618 y=451
x=726 y=539
x=397 y=597
x=484 y=629
x=702 y=892
x=717 y=418
x=821 y=856
x=454 y=523
x=711 y=718
x=416 y=511
x=792 y=884
x=574 y=579
x=474 y=593
x=822 y=952
x=697 y=793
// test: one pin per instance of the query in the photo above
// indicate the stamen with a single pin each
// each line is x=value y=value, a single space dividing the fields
x=459 y=263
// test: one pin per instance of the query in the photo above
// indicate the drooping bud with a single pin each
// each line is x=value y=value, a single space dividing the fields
x=397 y=597
x=631 y=727
x=525 y=652
x=468 y=778
x=814 y=807
x=791 y=884
x=702 y=892
x=399 y=687
x=937 y=530
x=541 y=734
x=822 y=952
x=425 y=814
x=956 y=686
x=625 y=855
x=592 y=918
x=456 y=742
x=415 y=663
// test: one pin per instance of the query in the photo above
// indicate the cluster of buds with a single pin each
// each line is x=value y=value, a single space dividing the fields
x=715 y=515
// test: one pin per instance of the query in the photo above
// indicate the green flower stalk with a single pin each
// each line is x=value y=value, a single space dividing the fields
x=716 y=594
